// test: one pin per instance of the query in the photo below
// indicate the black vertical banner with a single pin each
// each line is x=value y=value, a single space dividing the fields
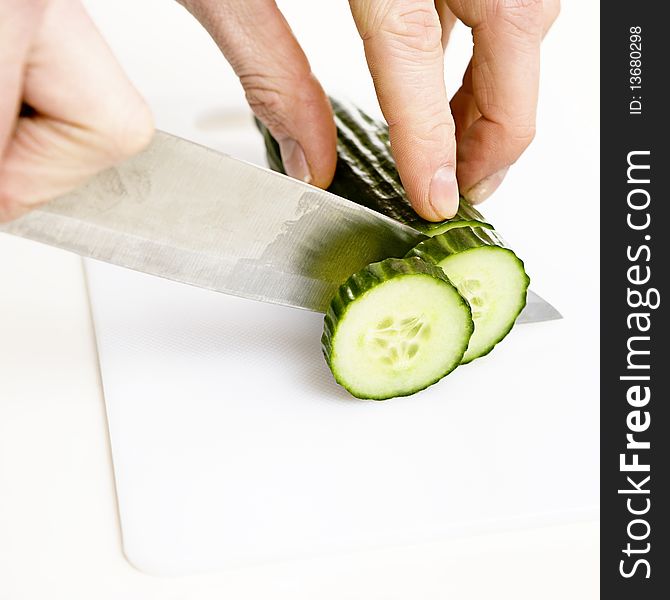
x=635 y=337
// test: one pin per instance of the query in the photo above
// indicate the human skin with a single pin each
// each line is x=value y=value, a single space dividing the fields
x=84 y=115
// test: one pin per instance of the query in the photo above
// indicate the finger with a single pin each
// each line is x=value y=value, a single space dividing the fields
x=17 y=22
x=502 y=83
x=278 y=82
x=87 y=115
x=402 y=41
x=447 y=20
x=550 y=11
x=463 y=105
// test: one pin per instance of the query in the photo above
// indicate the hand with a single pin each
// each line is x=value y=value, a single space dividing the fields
x=80 y=114
x=492 y=116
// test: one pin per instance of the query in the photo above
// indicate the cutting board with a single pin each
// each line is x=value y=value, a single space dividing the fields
x=232 y=444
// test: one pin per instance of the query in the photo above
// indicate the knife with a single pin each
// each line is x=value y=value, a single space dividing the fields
x=185 y=212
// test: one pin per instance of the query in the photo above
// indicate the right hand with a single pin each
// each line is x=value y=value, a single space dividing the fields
x=80 y=113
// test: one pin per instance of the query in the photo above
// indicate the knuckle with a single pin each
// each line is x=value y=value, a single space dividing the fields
x=429 y=139
x=552 y=8
x=525 y=16
x=433 y=123
x=133 y=134
x=520 y=4
x=412 y=26
x=264 y=100
x=437 y=132
x=123 y=134
x=521 y=136
x=7 y=206
x=11 y=204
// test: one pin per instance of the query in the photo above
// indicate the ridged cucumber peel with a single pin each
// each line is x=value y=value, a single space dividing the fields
x=395 y=328
x=366 y=172
x=490 y=276
x=447 y=225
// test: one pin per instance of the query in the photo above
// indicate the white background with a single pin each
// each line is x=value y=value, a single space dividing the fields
x=58 y=527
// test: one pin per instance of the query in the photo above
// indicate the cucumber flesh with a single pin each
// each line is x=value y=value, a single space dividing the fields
x=490 y=277
x=487 y=274
x=395 y=328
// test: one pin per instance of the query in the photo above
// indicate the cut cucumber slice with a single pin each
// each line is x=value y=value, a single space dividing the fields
x=491 y=277
x=395 y=328
x=488 y=274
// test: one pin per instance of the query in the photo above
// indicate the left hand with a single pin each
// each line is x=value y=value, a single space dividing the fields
x=439 y=147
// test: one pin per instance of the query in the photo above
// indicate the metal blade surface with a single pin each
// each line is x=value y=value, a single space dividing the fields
x=190 y=214
x=537 y=309
x=187 y=213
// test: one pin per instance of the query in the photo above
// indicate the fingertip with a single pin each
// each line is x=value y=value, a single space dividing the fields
x=315 y=134
x=7 y=213
x=484 y=188
x=294 y=161
x=443 y=193
x=300 y=118
x=426 y=165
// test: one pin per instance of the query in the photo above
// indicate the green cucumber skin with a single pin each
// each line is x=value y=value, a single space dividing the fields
x=363 y=281
x=435 y=249
x=458 y=239
x=366 y=172
x=448 y=225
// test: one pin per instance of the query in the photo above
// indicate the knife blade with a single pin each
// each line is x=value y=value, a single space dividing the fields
x=185 y=212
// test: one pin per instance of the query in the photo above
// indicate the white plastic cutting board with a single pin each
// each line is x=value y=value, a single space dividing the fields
x=232 y=444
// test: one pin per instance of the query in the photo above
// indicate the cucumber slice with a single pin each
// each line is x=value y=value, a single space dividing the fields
x=487 y=273
x=395 y=328
x=491 y=277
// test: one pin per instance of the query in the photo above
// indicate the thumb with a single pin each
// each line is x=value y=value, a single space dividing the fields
x=403 y=47
x=278 y=82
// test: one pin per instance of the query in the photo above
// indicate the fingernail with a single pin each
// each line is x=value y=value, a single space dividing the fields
x=443 y=192
x=482 y=190
x=294 y=160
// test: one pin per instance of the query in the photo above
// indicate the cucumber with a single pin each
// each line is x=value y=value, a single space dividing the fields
x=395 y=328
x=366 y=173
x=466 y=248
x=489 y=275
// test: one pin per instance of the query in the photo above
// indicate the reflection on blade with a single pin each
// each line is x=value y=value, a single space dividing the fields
x=189 y=214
